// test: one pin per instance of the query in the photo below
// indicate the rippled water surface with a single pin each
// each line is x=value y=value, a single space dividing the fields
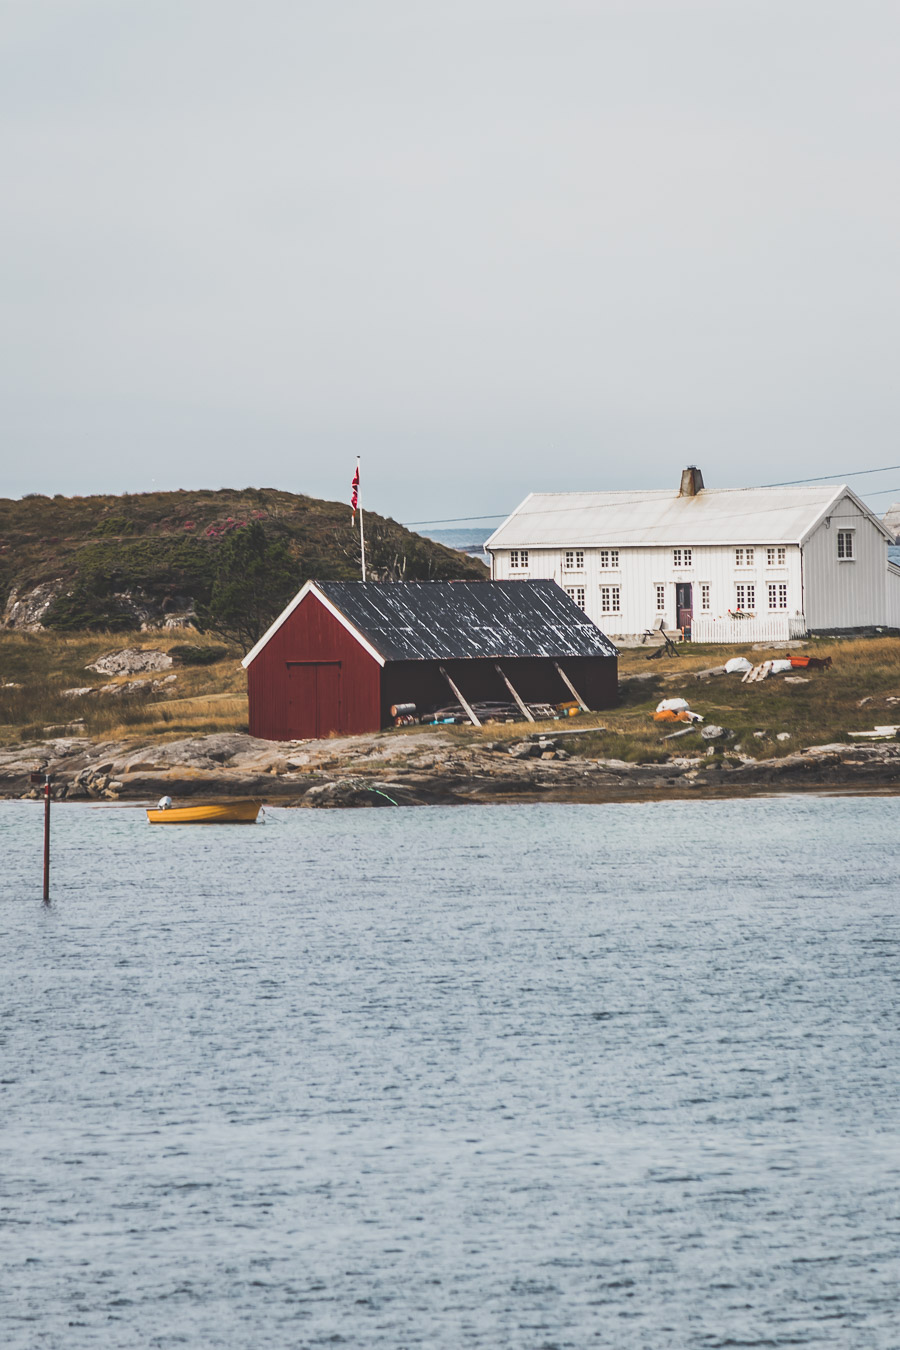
x=520 y=1076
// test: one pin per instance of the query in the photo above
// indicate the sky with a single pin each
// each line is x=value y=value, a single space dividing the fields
x=491 y=247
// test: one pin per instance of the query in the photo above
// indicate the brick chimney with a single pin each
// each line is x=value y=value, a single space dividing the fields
x=691 y=482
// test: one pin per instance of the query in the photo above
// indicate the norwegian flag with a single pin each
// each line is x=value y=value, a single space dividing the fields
x=354 y=492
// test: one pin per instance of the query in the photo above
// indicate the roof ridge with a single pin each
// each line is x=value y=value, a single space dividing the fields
x=675 y=496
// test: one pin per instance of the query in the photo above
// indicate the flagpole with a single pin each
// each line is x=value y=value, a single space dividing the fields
x=362 y=537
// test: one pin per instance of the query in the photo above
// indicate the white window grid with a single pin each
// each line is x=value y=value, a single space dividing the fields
x=610 y=599
x=743 y=557
x=745 y=596
x=574 y=560
x=778 y=595
x=704 y=595
x=682 y=557
x=776 y=557
x=845 y=544
x=576 y=593
x=518 y=559
x=660 y=598
x=609 y=557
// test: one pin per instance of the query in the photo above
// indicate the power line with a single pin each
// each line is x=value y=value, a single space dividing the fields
x=458 y=520
x=857 y=473
x=883 y=492
x=794 y=482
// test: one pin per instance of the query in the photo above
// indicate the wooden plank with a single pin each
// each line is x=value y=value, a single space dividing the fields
x=464 y=705
x=571 y=688
x=523 y=707
x=554 y=735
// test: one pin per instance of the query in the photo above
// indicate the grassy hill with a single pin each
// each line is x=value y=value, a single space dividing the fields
x=118 y=562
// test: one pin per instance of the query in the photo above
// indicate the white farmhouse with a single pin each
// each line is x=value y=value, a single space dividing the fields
x=729 y=565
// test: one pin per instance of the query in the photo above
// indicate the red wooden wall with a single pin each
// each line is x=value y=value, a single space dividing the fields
x=311 y=678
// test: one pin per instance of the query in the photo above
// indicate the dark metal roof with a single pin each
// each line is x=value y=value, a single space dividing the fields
x=466 y=620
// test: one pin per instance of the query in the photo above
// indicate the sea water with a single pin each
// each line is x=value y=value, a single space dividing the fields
x=525 y=1076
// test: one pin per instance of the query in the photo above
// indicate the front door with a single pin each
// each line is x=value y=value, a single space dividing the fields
x=314 y=699
x=684 y=603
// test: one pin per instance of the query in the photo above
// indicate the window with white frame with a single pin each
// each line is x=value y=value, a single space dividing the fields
x=743 y=557
x=609 y=557
x=660 y=598
x=577 y=594
x=745 y=596
x=518 y=559
x=776 y=557
x=845 y=544
x=681 y=557
x=574 y=560
x=778 y=595
x=610 y=599
x=704 y=595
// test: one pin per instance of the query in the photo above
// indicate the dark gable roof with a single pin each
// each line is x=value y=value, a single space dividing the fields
x=466 y=620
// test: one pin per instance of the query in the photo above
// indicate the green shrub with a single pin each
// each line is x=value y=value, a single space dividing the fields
x=83 y=610
x=192 y=655
x=113 y=525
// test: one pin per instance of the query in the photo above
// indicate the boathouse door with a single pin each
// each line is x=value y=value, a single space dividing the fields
x=314 y=699
x=684 y=605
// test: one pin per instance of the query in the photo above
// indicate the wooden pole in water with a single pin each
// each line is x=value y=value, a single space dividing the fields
x=46 y=839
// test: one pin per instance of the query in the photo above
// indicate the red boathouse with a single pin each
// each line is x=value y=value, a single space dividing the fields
x=344 y=652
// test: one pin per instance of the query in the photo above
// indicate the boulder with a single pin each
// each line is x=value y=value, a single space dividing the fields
x=525 y=750
x=130 y=661
x=128 y=687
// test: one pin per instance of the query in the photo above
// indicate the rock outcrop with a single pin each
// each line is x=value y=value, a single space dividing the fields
x=131 y=661
x=421 y=768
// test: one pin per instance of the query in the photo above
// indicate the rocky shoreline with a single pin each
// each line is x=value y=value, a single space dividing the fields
x=423 y=768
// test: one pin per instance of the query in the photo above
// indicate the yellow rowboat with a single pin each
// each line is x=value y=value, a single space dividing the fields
x=222 y=813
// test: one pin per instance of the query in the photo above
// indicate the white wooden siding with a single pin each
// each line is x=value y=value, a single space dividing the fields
x=641 y=570
x=848 y=593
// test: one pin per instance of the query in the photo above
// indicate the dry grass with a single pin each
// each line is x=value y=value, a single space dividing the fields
x=202 y=699
x=206 y=699
x=822 y=711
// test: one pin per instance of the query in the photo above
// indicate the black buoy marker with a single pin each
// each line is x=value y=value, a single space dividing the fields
x=36 y=778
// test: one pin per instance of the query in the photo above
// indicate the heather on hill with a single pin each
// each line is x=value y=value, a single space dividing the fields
x=120 y=562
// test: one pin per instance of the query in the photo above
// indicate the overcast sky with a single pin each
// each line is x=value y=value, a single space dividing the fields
x=491 y=246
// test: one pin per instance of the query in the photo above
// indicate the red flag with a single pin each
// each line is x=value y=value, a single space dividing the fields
x=354 y=497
